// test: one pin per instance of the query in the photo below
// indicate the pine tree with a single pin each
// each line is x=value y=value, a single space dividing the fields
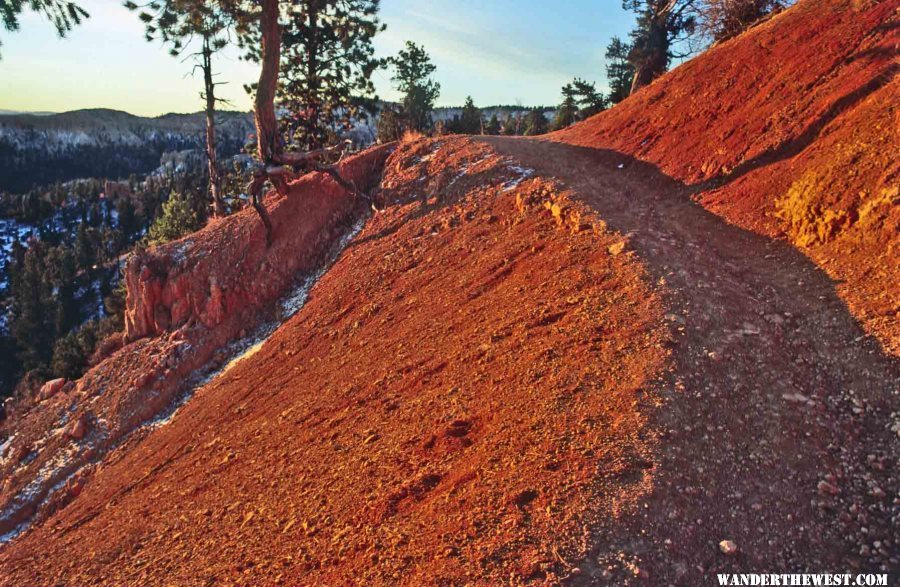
x=62 y=269
x=535 y=122
x=178 y=218
x=619 y=71
x=723 y=19
x=510 y=125
x=260 y=32
x=33 y=309
x=84 y=247
x=590 y=101
x=390 y=125
x=412 y=76
x=567 y=113
x=493 y=125
x=63 y=14
x=176 y=23
x=128 y=221
x=659 y=24
x=470 y=118
x=327 y=66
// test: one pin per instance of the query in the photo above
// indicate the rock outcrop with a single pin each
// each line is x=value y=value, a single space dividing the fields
x=220 y=273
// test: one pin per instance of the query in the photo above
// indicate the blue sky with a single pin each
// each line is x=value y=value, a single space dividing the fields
x=499 y=51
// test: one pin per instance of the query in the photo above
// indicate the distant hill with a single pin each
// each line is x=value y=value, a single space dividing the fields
x=14 y=112
x=37 y=149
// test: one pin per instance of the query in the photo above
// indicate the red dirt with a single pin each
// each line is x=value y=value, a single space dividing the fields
x=790 y=129
x=186 y=301
x=777 y=419
x=457 y=399
x=591 y=371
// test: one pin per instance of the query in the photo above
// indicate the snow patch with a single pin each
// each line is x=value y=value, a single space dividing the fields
x=522 y=172
x=248 y=346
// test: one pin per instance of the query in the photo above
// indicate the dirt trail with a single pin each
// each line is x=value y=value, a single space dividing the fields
x=778 y=422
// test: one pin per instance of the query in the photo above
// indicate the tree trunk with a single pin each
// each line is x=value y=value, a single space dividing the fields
x=267 y=139
x=273 y=160
x=215 y=179
x=312 y=80
x=655 y=49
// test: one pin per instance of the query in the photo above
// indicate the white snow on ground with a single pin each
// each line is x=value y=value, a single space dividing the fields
x=523 y=172
x=48 y=471
x=464 y=170
x=4 y=446
x=248 y=346
x=179 y=251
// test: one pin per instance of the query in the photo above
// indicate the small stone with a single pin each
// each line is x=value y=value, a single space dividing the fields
x=616 y=248
x=77 y=429
x=728 y=547
x=826 y=488
x=50 y=388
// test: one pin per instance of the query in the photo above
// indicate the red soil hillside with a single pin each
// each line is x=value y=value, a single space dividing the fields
x=456 y=400
x=791 y=128
x=543 y=363
x=187 y=301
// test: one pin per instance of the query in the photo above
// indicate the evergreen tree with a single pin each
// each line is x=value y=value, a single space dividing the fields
x=33 y=309
x=128 y=221
x=510 y=125
x=71 y=352
x=659 y=24
x=84 y=247
x=470 y=118
x=62 y=271
x=63 y=14
x=390 y=125
x=567 y=113
x=590 y=101
x=327 y=61
x=535 y=122
x=176 y=23
x=619 y=71
x=412 y=76
x=493 y=125
x=9 y=365
x=723 y=19
x=260 y=32
x=178 y=218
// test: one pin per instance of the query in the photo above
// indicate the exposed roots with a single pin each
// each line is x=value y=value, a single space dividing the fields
x=303 y=163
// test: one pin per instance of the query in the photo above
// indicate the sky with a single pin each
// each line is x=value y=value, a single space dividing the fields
x=497 y=51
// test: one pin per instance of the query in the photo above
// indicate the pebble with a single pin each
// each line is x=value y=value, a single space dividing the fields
x=728 y=547
x=826 y=488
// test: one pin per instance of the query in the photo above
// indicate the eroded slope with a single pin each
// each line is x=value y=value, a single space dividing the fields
x=457 y=401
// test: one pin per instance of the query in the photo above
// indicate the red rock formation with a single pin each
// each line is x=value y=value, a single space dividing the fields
x=183 y=282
